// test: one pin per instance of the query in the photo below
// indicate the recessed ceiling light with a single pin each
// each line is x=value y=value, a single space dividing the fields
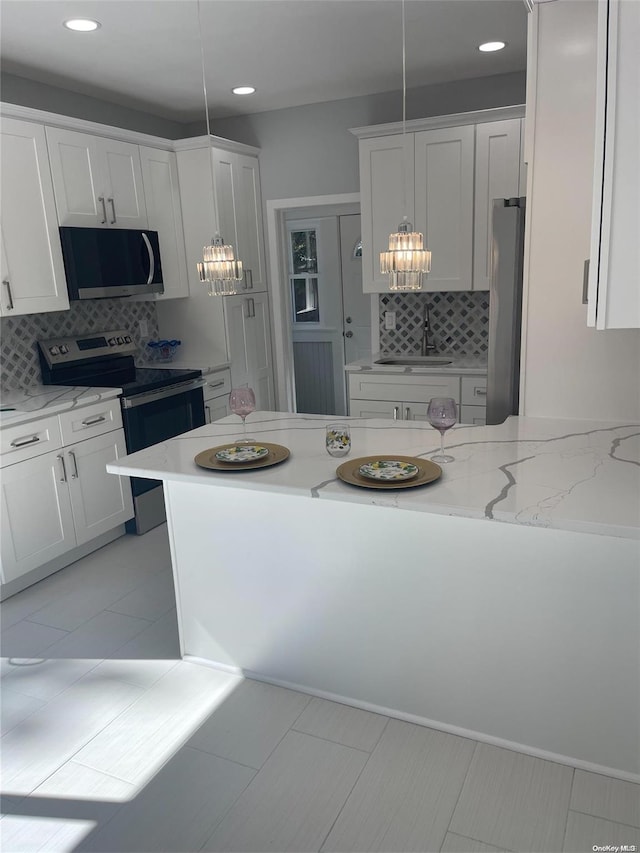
x=243 y=90
x=490 y=46
x=82 y=25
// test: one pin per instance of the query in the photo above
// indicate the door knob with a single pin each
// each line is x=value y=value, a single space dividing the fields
x=348 y=334
x=348 y=320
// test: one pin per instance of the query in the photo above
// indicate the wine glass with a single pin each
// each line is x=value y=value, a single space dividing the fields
x=442 y=416
x=242 y=401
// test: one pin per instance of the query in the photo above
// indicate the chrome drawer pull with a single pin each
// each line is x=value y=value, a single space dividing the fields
x=481 y=392
x=407 y=414
x=215 y=384
x=396 y=410
x=31 y=440
x=92 y=421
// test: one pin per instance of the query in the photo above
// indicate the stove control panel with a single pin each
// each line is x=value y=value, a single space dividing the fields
x=81 y=347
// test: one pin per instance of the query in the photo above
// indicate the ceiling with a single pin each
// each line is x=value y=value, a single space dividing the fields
x=146 y=55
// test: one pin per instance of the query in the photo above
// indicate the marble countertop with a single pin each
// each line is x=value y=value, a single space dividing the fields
x=39 y=401
x=472 y=365
x=564 y=474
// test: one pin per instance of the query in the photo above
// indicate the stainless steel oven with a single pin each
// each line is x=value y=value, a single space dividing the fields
x=157 y=403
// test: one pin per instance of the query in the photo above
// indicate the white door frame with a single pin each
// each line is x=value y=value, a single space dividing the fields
x=279 y=277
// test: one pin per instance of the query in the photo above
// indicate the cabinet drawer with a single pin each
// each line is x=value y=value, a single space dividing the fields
x=88 y=421
x=217 y=385
x=473 y=415
x=473 y=390
x=18 y=443
x=413 y=389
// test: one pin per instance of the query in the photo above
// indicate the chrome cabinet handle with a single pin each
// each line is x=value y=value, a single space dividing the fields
x=396 y=412
x=252 y=307
x=585 y=282
x=92 y=421
x=6 y=283
x=248 y=277
x=32 y=440
x=104 y=210
x=113 y=209
x=247 y=303
x=215 y=384
x=63 y=479
x=208 y=411
x=480 y=392
x=74 y=475
x=407 y=413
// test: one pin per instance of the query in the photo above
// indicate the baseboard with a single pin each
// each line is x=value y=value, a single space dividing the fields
x=423 y=721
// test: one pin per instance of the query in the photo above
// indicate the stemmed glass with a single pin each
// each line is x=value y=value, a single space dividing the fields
x=442 y=416
x=242 y=401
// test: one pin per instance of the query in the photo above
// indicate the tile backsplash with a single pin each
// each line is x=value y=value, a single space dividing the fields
x=459 y=322
x=20 y=365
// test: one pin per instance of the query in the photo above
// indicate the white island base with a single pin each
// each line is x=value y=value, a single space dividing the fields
x=513 y=635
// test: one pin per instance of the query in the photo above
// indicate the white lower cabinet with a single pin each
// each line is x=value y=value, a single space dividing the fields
x=216 y=392
x=37 y=520
x=375 y=395
x=61 y=498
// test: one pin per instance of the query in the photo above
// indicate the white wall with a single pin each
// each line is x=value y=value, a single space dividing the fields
x=569 y=370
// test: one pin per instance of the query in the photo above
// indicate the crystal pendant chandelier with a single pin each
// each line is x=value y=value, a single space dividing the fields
x=219 y=267
x=406 y=260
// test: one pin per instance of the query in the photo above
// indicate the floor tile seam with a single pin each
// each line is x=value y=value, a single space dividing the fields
x=566 y=819
x=334 y=742
x=214 y=828
x=135 y=616
x=455 y=805
x=188 y=745
x=609 y=819
x=477 y=840
x=68 y=686
x=349 y=793
x=135 y=683
x=362 y=749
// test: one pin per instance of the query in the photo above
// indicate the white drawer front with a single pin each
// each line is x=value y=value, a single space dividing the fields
x=217 y=385
x=18 y=443
x=88 y=421
x=473 y=415
x=474 y=390
x=375 y=409
x=397 y=386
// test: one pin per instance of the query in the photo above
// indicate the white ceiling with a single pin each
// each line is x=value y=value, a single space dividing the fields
x=146 y=55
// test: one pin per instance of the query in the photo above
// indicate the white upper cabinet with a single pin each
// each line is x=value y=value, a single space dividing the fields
x=162 y=195
x=33 y=278
x=444 y=204
x=498 y=167
x=614 y=292
x=97 y=181
x=386 y=196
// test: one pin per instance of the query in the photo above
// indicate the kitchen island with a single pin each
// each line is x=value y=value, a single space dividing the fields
x=501 y=601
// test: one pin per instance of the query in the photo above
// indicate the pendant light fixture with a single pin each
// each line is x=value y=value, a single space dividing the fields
x=406 y=260
x=219 y=267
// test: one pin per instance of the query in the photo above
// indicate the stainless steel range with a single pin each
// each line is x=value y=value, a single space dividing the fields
x=157 y=403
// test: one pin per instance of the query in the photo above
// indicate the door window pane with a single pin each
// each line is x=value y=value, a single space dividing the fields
x=304 y=296
x=303 y=252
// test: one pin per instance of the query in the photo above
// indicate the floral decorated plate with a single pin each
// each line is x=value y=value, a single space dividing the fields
x=242 y=453
x=388 y=469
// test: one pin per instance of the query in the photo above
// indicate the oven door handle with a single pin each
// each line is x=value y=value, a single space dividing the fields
x=152 y=260
x=161 y=393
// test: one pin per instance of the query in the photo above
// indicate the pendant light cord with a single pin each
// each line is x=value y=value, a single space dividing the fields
x=404 y=118
x=206 y=109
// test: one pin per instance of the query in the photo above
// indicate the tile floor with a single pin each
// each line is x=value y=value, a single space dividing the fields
x=111 y=743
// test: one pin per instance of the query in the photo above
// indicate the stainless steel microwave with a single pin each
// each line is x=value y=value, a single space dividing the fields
x=105 y=262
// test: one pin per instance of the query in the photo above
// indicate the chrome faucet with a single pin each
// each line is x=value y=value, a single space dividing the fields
x=426 y=348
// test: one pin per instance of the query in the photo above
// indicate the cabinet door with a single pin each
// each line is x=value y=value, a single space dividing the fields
x=249 y=343
x=224 y=167
x=376 y=409
x=216 y=408
x=250 y=248
x=444 y=164
x=36 y=517
x=79 y=180
x=100 y=501
x=237 y=310
x=497 y=176
x=164 y=213
x=125 y=193
x=614 y=295
x=33 y=278
x=473 y=415
x=386 y=196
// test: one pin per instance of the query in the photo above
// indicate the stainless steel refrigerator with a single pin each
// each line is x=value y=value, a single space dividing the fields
x=505 y=309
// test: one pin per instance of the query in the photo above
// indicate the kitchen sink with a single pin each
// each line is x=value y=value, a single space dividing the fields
x=415 y=360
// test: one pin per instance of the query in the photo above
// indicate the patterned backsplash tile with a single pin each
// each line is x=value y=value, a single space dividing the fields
x=20 y=362
x=459 y=322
